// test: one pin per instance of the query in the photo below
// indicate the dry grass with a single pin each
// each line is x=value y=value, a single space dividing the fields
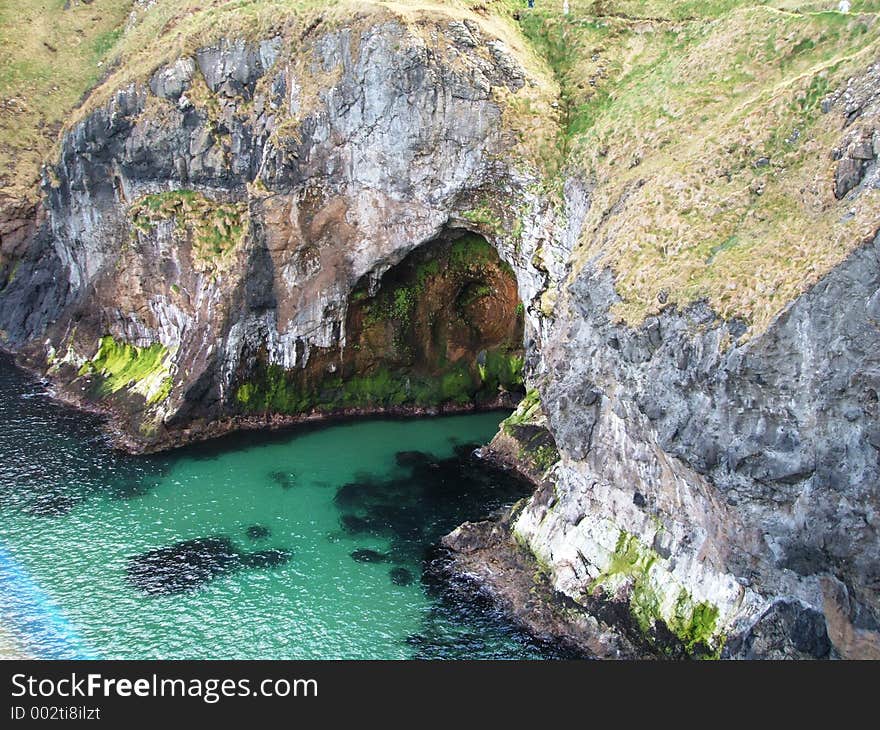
x=49 y=58
x=670 y=117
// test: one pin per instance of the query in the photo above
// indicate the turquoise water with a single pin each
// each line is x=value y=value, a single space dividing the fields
x=307 y=544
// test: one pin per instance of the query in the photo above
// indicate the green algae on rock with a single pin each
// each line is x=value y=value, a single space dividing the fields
x=652 y=597
x=121 y=366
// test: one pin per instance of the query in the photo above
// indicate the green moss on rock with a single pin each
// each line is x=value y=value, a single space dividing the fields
x=275 y=390
x=121 y=366
x=652 y=600
x=528 y=410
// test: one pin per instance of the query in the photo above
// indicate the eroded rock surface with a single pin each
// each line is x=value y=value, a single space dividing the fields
x=265 y=230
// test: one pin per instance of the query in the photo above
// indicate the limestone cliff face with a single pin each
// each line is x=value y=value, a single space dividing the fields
x=208 y=226
x=247 y=236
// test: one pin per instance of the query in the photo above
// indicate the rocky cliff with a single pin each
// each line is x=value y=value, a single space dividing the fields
x=411 y=208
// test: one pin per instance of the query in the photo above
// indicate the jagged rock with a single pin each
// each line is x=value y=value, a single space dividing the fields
x=786 y=630
x=848 y=175
x=717 y=474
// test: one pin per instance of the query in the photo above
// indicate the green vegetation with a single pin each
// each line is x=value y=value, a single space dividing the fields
x=276 y=390
x=50 y=52
x=471 y=250
x=280 y=391
x=486 y=217
x=216 y=228
x=544 y=457
x=396 y=354
x=528 y=411
x=467 y=254
x=501 y=368
x=143 y=370
x=668 y=106
x=694 y=623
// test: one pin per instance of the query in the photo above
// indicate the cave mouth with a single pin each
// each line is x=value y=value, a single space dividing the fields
x=440 y=330
x=445 y=325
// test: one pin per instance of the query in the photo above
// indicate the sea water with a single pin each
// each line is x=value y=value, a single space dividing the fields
x=309 y=543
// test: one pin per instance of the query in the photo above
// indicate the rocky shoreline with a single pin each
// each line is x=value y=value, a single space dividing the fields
x=123 y=439
x=482 y=560
x=486 y=560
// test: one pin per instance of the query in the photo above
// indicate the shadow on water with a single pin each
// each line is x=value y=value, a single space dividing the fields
x=426 y=498
x=55 y=457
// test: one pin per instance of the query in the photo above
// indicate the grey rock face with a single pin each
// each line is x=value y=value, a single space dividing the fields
x=349 y=151
x=754 y=466
x=786 y=630
x=717 y=479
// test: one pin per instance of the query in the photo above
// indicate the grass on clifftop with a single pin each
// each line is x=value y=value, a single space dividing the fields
x=699 y=122
x=49 y=57
x=708 y=147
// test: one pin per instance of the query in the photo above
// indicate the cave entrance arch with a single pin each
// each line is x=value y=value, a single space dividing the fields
x=443 y=327
x=440 y=330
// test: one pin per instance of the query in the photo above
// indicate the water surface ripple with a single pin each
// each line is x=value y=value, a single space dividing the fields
x=307 y=544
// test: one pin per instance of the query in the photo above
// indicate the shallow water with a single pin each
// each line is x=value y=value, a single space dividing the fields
x=305 y=544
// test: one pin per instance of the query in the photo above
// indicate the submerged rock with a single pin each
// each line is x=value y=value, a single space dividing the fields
x=365 y=555
x=258 y=532
x=131 y=490
x=284 y=479
x=188 y=565
x=266 y=558
x=183 y=566
x=400 y=576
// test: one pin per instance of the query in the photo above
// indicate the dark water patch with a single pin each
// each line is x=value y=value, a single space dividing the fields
x=51 y=451
x=365 y=555
x=425 y=499
x=413 y=459
x=283 y=479
x=266 y=558
x=354 y=492
x=257 y=532
x=400 y=576
x=183 y=566
x=51 y=505
x=355 y=525
x=190 y=564
x=131 y=489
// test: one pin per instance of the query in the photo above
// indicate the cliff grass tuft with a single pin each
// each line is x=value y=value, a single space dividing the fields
x=216 y=228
